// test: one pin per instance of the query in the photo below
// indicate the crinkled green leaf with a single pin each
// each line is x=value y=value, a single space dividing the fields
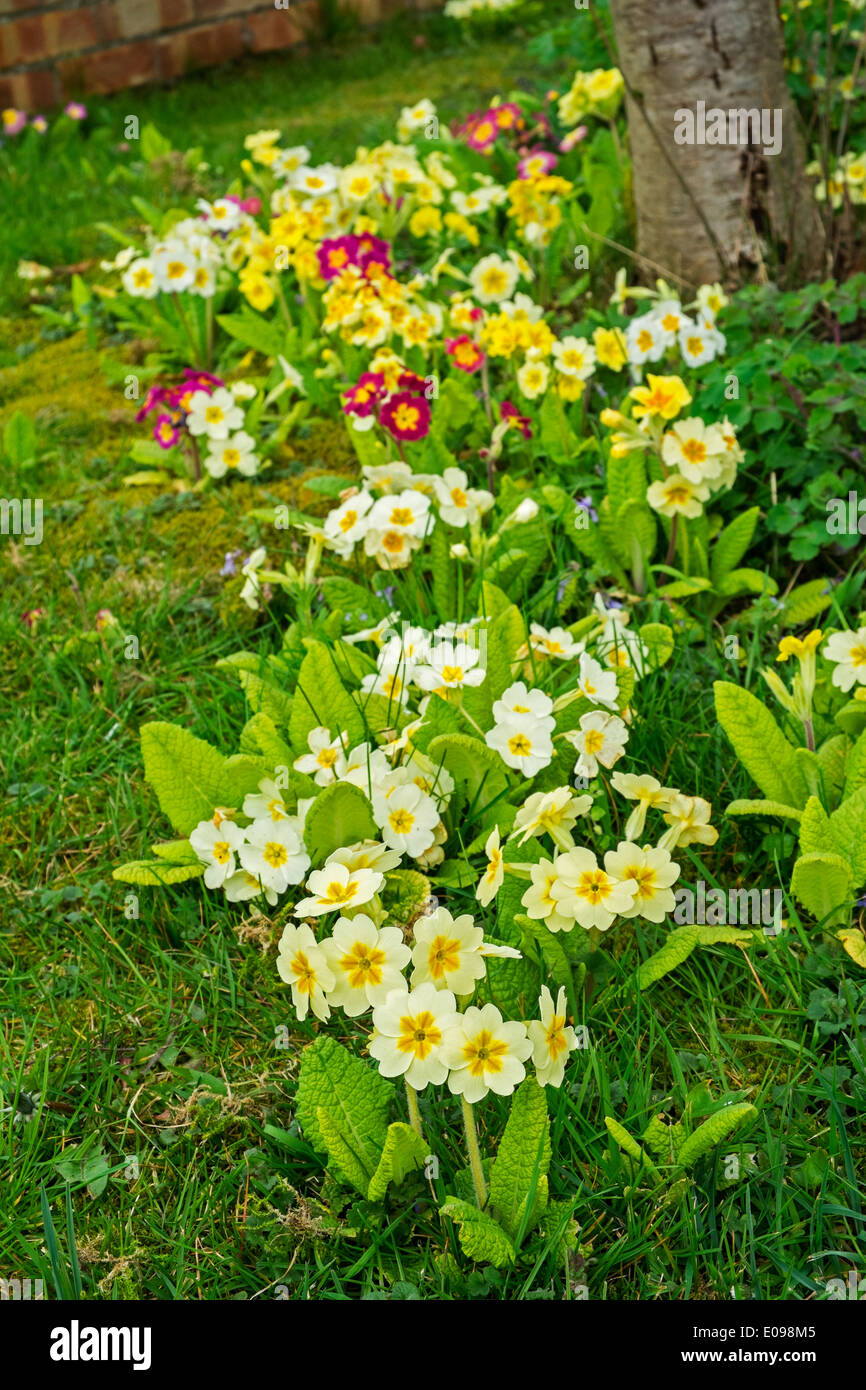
x=340 y=815
x=353 y=1163
x=522 y=1159
x=822 y=883
x=481 y=1238
x=629 y=1145
x=404 y=1152
x=676 y=949
x=816 y=834
x=855 y=767
x=184 y=771
x=351 y=1091
x=713 y=1131
x=760 y=744
x=848 y=827
x=156 y=873
x=746 y=807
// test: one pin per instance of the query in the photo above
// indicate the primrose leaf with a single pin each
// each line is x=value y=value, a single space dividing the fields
x=355 y=1096
x=340 y=815
x=522 y=1161
x=404 y=1152
x=156 y=873
x=481 y=1238
x=676 y=949
x=760 y=744
x=713 y=1131
x=822 y=883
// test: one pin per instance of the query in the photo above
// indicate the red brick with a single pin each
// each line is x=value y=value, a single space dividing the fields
x=214 y=9
x=29 y=39
x=70 y=31
x=173 y=13
x=42 y=91
x=273 y=29
x=126 y=66
x=138 y=17
x=8 y=45
x=29 y=91
x=196 y=48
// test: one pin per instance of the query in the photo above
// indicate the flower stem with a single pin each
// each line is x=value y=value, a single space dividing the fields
x=672 y=548
x=474 y=1154
x=414 y=1112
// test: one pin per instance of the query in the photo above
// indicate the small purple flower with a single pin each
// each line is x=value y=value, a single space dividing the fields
x=387 y=593
x=75 y=110
x=586 y=504
x=860 y=902
x=229 y=567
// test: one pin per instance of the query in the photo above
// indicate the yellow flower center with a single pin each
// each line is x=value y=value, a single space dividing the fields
x=401 y=821
x=443 y=956
x=337 y=892
x=419 y=1035
x=275 y=854
x=484 y=1053
x=594 y=886
x=221 y=851
x=519 y=745
x=363 y=965
x=694 y=450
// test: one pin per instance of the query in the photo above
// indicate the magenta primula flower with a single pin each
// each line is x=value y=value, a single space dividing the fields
x=372 y=250
x=536 y=164
x=465 y=354
x=363 y=398
x=509 y=412
x=155 y=396
x=75 y=110
x=406 y=416
x=166 y=431
x=39 y=124
x=335 y=254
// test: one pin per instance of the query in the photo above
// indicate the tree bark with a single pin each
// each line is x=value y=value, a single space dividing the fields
x=711 y=212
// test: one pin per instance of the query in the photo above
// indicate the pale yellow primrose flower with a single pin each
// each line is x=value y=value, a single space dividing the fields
x=588 y=895
x=647 y=792
x=484 y=1053
x=366 y=962
x=494 y=874
x=653 y=871
x=551 y=1039
x=552 y=813
x=302 y=964
x=447 y=952
x=410 y=1028
x=688 y=817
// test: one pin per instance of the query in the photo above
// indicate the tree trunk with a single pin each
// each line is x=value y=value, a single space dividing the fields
x=715 y=211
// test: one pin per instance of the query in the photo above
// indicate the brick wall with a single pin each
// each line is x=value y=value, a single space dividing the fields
x=51 y=51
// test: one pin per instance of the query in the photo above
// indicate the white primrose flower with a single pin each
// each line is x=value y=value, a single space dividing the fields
x=410 y=1026
x=588 y=895
x=335 y=887
x=242 y=886
x=367 y=767
x=407 y=513
x=346 y=524
x=215 y=415
x=174 y=266
x=540 y=905
x=523 y=743
x=216 y=842
x=484 y=1053
x=554 y=642
x=366 y=854
x=407 y=818
x=847 y=651
x=493 y=279
x=551 y=1039
x=450 y=666
x=518 y=701
x=447 y=952
x=275 y=853
x=458 y=503
x=601 y=738
x=644 y=340
x=552 y=813
x=595 y=683
x=366 y=961
x=494 y=874
x=574 y=357
x=653 y=871
x=267 y=801
x=237 y=453
x=140 y=280
x=527 y=510
x=251 y=591
x=302 y=963
x=647 y=792
x=326 y=761
x=676 y=496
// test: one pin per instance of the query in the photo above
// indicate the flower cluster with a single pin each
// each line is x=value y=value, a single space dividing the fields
x=202 y=408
